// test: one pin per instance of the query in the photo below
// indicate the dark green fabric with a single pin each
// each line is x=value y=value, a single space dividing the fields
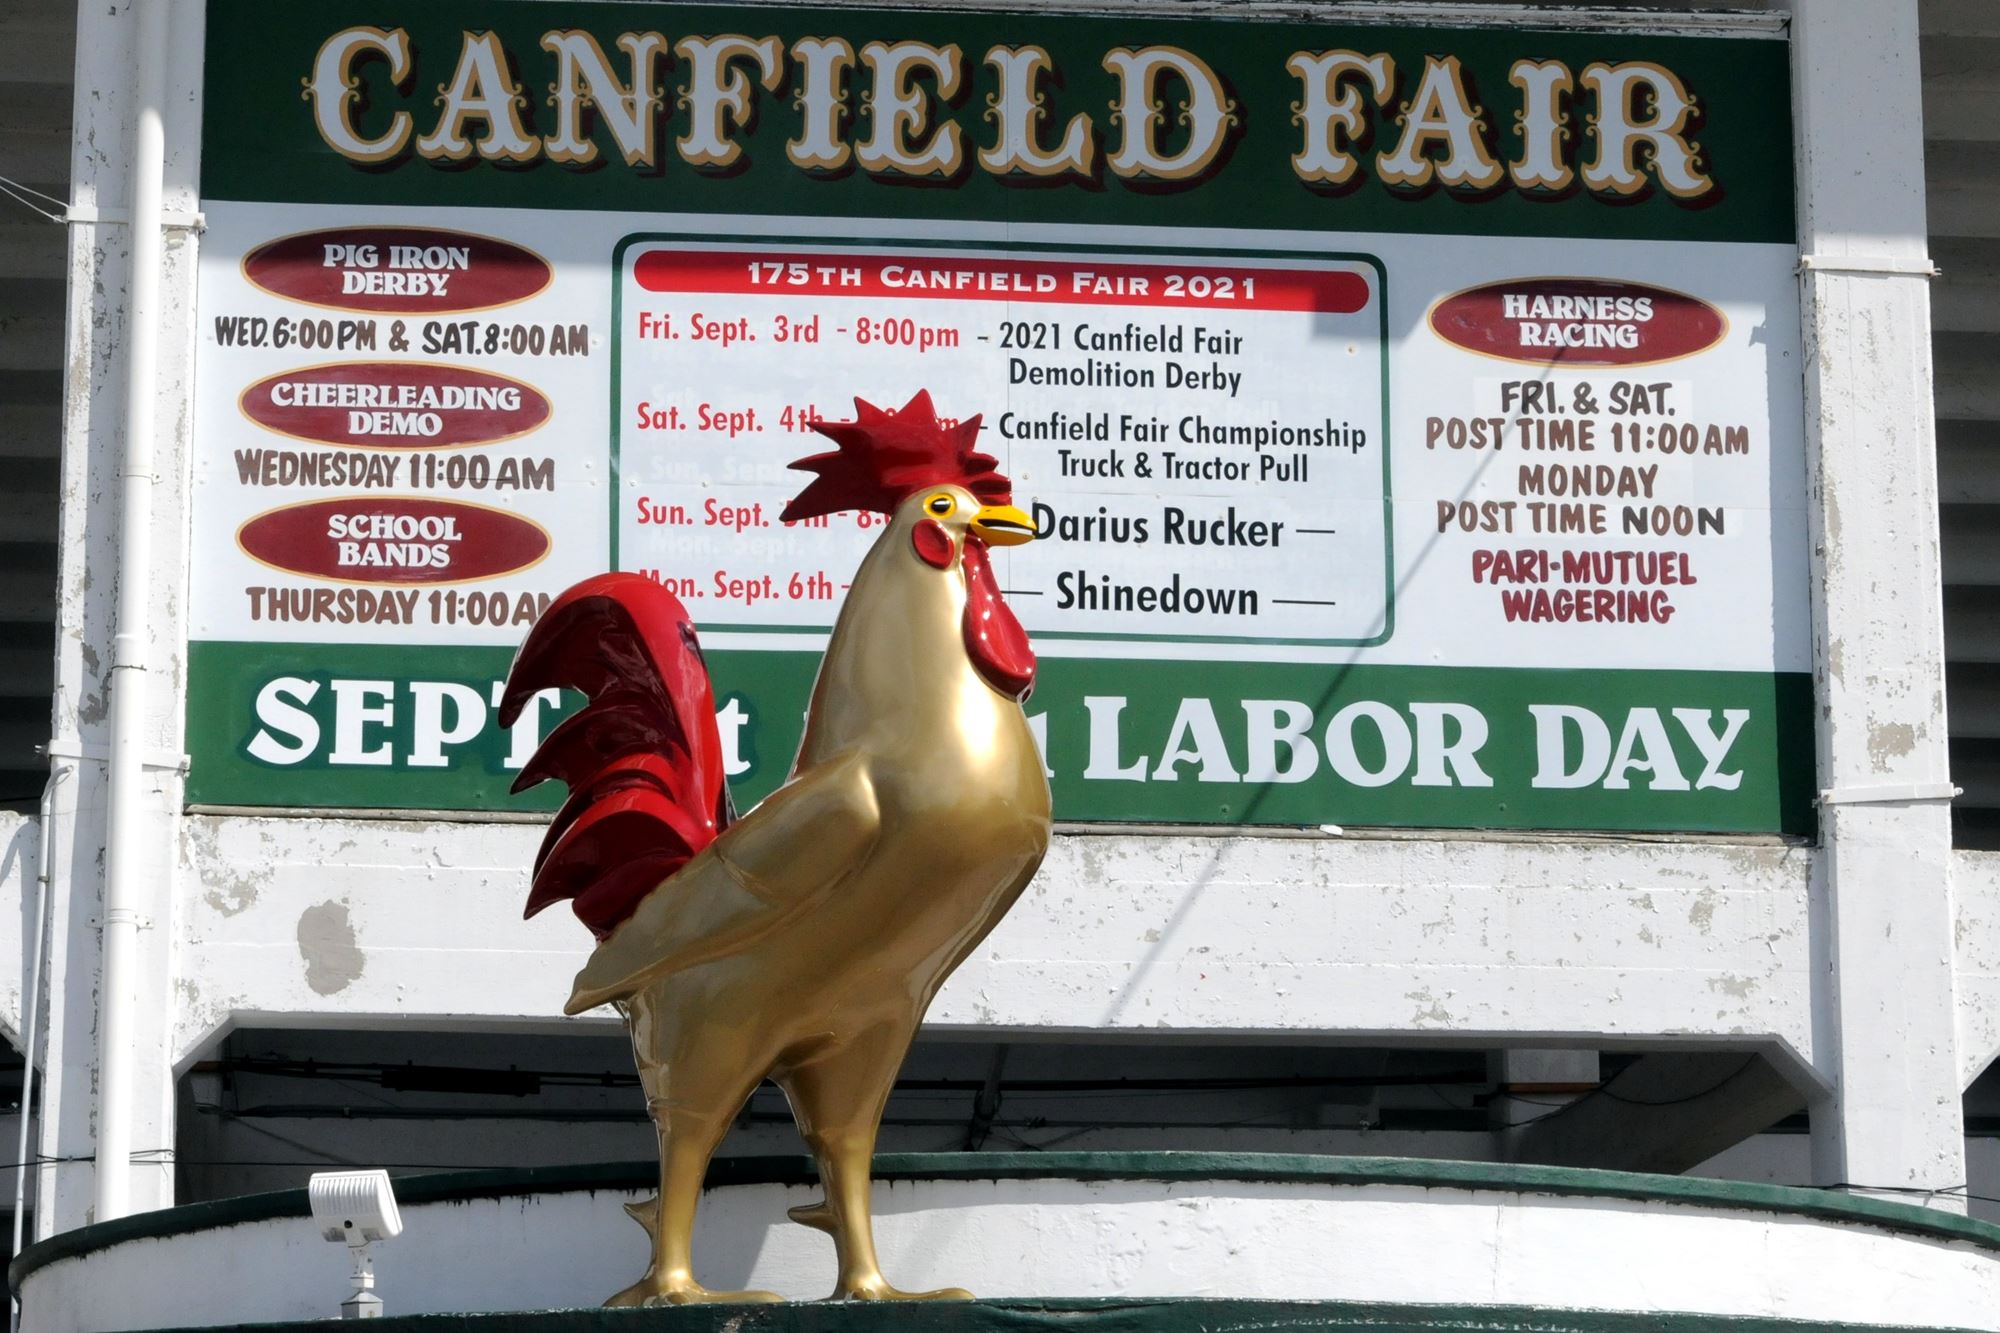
x=1828 y=1205
x=1100 y=1316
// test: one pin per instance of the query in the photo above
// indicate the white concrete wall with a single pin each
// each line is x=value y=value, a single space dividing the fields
x=20 y=851
x=1786 y=1159
x=340 y=923
x=1132 y=1239
x=1976 y=959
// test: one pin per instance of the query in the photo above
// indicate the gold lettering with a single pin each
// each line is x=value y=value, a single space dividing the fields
x=334 y=88
x=1440 y=112
x=482 y=88
x=1620 y=133
x=718 y=96
x=821 y=102
x=1017 y=113
x=1141 y=115
x=1333 y=117
x=1542 y=125
x=901 y=111
x=584 y=79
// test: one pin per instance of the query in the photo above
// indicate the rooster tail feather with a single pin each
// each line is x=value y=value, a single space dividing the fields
x=642 y=760
x=655 y=776
x=619 y=725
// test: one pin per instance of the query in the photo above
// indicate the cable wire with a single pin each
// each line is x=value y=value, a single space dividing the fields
x=19 y=193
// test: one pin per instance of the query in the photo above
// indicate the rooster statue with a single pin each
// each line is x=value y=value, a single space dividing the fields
x=803 y=941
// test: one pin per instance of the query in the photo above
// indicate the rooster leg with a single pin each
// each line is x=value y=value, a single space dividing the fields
x=687 y=1141
x=838 y=1101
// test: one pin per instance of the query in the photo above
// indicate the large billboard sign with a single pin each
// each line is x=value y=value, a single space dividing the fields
x=1411 y=415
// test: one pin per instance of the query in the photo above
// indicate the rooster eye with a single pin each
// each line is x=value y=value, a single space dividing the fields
x=940 y=505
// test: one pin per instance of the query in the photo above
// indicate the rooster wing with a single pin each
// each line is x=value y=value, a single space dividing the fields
x=775 y=862
x=646 y=847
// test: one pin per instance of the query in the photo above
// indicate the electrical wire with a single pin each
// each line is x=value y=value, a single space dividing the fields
x=1560 y=1107
x=1604 y=1090
x=272 y=1134
x=20 y=192
x=1727 y=1079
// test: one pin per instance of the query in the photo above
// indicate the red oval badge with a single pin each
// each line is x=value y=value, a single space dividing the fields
x=393 y=539
x=395 y=405
x=397 y=270
x=1578 y=322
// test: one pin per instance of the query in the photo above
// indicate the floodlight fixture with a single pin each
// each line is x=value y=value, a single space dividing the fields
x=356 y=1209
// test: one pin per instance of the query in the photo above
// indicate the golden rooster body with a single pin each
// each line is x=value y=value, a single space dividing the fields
x=803 y=942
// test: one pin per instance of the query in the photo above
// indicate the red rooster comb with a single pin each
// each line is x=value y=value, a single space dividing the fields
x=886 y=456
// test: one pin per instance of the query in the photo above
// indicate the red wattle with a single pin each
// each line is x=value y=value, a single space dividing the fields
x=993 y=637
x=931 y=543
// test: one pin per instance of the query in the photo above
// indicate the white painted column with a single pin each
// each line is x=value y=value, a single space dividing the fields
x=1885 y=1010
x=89 y=573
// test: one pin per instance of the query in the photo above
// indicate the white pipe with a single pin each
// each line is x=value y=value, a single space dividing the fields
x=31 y=1025
x=125 y=814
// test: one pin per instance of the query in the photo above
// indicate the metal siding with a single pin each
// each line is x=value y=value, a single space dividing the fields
x=1961 y=55
x=37 y=55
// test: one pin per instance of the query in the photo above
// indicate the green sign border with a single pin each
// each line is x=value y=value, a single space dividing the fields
x=772 y=688
x=260 y=142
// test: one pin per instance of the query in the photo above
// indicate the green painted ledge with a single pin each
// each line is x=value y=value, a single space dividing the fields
x=1079 y=1316
x=1295 y=1168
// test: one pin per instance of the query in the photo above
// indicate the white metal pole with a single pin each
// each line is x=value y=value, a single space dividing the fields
x=1886 y=1011
x=126 y=769
x=31 y=1024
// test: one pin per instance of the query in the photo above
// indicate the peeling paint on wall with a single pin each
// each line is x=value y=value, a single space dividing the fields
x=231 y=885
x=1889 y=740
x=326 y=942
x=1702 y=915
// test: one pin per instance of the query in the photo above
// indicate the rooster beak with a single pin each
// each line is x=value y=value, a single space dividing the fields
x=1003 y=525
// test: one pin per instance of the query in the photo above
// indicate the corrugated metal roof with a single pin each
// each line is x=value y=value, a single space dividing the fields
x=37 y=56
x=1961 y=58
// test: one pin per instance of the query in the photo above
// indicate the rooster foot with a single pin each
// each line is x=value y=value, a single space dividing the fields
x=819 y=1216
x=646 y=1213
x=875 y=1287
x=682 y=1290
